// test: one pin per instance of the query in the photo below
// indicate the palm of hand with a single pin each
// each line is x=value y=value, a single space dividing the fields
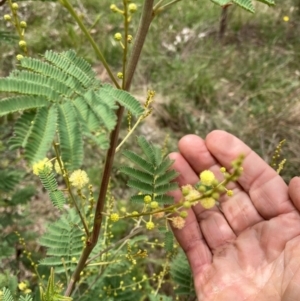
x=249 y=248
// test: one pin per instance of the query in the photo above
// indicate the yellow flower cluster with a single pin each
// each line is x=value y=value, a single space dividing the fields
x=150 y=225
x=114 y=217
x=23 y=287
x=41 y=165
x=207 y=177
x=178 y=222
x=79 y=179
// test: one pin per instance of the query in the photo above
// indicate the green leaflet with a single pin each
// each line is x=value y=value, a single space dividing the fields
x=182 y=275
x=21 y=86
x=22 y=196
x=152 y=175
x=137 y=174
x=221 y=2
x=246 y=4
x=7 y=296
x=125 y=99
x=53 y=290
x=139 y=161
x=49 y=182
x=268 y=2
x=50 y=71
x=147 y=149
x=104 y=113
x=63 y=62
x=25 y=298
x=42 y=134
x=71 y=145
x=9 y=179
x=22 y=130
x=63 y=242
x=23 y=102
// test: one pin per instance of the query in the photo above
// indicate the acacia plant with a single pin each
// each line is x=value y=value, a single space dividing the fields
x=60 y=106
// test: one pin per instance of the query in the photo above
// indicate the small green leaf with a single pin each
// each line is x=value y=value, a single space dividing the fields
x=246 y=4
x=42 y=134
x=126 y=100
x=20 y=103
x=139 y=161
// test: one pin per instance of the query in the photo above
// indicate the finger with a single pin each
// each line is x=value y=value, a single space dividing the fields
x=213 y=225
x=190 y=236
x=294 y=192
x=238 y=210
x=267 y=190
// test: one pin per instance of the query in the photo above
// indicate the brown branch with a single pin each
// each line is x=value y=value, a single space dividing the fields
x=146 y=19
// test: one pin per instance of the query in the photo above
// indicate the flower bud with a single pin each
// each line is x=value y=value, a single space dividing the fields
x=150 y=225
x=19 y=57
x=7 y=17
x=120 y=75
x=23 y=24
x=15 y=6
x=147 y=199
x=132 y=7
x=154 y=205
x=113 y=8
x=22 y=43
x=118 y=36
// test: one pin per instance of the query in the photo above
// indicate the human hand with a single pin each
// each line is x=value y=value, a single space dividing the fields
x=250 y=249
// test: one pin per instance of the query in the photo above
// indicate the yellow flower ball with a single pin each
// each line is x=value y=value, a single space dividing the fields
x=22 y=43
x=147 y=199
x=154 y=205
x=132 y=7
x=19 y=57
x=22 y=286
x=118 y=36
x=207 y=203
x=150 y=225
x=7 y=17
x=286 y=19
x=178 y=222
x=79 y=178
x=41 y=165
x=207 y=177
x=229 y=192
x=114 y=217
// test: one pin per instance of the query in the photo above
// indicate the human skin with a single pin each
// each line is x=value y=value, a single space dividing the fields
x=248 y=248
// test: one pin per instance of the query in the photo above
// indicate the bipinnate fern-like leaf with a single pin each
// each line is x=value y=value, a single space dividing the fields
x=125 y=99
x=49 y=182
x=182 y=275
x=61 y=93
x=23 y=102
x=7 y=296
x=63 y=242
x=9 y=179
x=152 y=175
x=42 y=134
x=23 y=129
x=70 y=141
x=25 y=298
x=245 y=4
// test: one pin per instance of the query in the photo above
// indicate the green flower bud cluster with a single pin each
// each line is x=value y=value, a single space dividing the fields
x=20 y=26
